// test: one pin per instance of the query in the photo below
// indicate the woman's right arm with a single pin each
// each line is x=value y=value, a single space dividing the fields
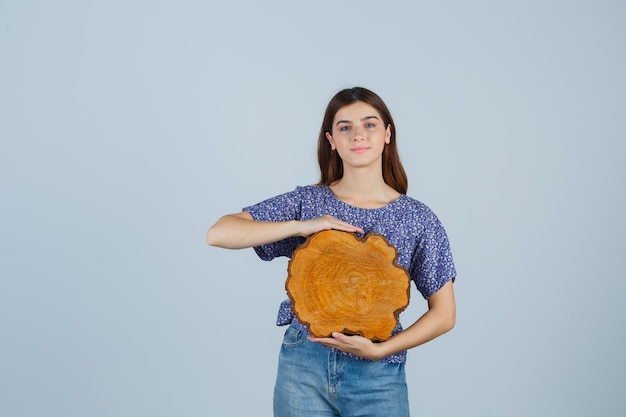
x=240 y=230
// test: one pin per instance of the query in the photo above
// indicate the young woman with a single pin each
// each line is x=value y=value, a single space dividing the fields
x=362 y=189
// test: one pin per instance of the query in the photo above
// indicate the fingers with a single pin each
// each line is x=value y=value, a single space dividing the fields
x=343 y=226
x=341 y=341
x=334 y=339
x=341 y=337
x=326 y=341
x=357 y=345
x=328 y=223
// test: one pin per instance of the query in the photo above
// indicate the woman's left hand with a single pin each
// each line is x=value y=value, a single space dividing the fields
x=357 y=345
x=440 y=317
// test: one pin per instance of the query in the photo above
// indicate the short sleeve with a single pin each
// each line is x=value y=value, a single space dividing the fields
x=281 y=208
x=432 y=264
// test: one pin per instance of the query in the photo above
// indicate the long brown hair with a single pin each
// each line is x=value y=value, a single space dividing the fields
x=331 y=166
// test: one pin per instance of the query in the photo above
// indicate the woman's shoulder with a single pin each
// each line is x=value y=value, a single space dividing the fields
x=413 y=203
x=301 y=191
x=417 y=208
x=302 y=194
x=311 y=187
x=312 y=190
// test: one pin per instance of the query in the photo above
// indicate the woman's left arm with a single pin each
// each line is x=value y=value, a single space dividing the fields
x=439 y=319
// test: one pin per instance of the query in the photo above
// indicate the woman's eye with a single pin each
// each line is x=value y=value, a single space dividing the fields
x=370 y=125
x=344 y=128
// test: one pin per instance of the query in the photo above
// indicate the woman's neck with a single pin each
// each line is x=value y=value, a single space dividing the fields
x=364 y=190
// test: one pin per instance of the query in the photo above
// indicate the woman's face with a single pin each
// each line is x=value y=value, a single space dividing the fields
x=359 y=135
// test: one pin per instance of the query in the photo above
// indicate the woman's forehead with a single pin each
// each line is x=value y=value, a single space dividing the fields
x=356 y=111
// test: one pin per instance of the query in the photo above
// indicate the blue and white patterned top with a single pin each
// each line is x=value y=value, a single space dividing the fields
x=410 y=226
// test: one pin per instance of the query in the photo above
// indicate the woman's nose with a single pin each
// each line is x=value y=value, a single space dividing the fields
x=357 y=134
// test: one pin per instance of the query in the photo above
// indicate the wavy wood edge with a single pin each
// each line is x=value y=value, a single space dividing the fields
x=347 y=331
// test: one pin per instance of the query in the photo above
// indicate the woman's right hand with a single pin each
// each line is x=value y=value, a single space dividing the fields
x=327 y=222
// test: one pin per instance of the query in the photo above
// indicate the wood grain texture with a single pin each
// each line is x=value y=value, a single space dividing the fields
x=339 y=282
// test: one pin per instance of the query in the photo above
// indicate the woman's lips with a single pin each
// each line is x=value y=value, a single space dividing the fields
x=360 y=149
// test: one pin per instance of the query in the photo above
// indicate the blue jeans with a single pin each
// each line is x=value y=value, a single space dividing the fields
x=315 y=381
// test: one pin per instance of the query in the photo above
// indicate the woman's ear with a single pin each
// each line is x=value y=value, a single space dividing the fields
x=388 y=134
x=330 y=140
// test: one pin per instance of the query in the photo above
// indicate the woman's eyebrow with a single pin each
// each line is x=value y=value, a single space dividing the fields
x=363 y=119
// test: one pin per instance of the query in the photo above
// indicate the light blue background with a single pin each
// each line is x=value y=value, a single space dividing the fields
x=129 y=127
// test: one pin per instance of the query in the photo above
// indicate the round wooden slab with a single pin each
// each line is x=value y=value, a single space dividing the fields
x=339 y=282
